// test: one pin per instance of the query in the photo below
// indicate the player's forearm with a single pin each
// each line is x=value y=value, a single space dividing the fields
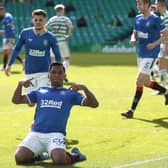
x=159 y=41
x=1 y=32
x=17 y=96
x=71 y=29
x=133 y=37
x=57 y=54
x=15 y=53
x=90 y=98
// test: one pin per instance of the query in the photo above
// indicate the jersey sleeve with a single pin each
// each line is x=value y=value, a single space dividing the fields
x=55 y=48
x=17 y=48
x=48 y=24
x=78 y=98
x=160 y=24
x=135 y=25
x=32 y=98
x=9 y=22
x=69 y=22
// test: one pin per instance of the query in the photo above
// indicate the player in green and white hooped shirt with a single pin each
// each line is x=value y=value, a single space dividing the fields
x=62 y=27
x=163 y=55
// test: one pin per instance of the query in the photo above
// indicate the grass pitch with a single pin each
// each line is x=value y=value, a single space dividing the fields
x=108 y=140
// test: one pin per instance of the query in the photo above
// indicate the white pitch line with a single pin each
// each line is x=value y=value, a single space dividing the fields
x=137 y=163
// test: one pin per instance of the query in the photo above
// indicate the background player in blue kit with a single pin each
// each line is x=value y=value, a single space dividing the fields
x=147 y=31
x=37 y=42
x=8 y=33
x=52 y=112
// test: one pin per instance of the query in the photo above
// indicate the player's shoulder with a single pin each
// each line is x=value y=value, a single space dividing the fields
x=28 y=29
x=165 y=14
x=66 y=17
x=60 y=17
x=8 y=14
x=155 y=15
x=63 y=18
x=139 y=16
x=49 y=34
x=52 y=18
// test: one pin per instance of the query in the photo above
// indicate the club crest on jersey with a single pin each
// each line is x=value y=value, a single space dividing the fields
x=147 y=24
x=45 y=42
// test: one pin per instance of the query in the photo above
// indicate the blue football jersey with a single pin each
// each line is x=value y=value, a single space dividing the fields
x=53 y=108
x=8 y=26
x=37 y=50
x=148 y=30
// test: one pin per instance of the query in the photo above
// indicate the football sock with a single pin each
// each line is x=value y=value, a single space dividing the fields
x=163 y=76
x=5 y=60
x=66 y=64
x=71 y=158
x=155 y=86
x=138 y=94
x=19 y=59
x=152 y=73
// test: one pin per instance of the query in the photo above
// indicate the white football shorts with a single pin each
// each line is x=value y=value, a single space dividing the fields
x=8 y=43
x=43 y=142
x=162 y=53
x=39 y=80
x=145 y=65
x=63 y=48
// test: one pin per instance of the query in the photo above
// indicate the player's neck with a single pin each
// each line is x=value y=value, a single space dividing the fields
x=39 y=31
x=56 y=86
x=60 y=14
x=146 y=14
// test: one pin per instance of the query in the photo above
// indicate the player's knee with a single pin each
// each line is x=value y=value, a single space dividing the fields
x=59 y=160
x=22 y=157
x=19 y=159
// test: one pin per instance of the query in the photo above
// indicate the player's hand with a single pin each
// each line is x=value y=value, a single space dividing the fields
x=133 y=38
x=77 y=87
x=26 y=83
x=8 y=70
x=132 y=42
x=1 y=32
x=150 y=46
x=66 y=36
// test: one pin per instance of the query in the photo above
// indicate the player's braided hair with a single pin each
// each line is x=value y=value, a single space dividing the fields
x=56 y=64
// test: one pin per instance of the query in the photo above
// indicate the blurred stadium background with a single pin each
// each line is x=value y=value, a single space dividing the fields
x=98 y=36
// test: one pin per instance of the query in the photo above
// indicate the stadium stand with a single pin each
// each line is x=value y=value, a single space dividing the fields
x=97 y=31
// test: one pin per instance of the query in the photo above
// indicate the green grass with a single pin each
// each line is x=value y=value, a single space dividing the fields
x=102 y=134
